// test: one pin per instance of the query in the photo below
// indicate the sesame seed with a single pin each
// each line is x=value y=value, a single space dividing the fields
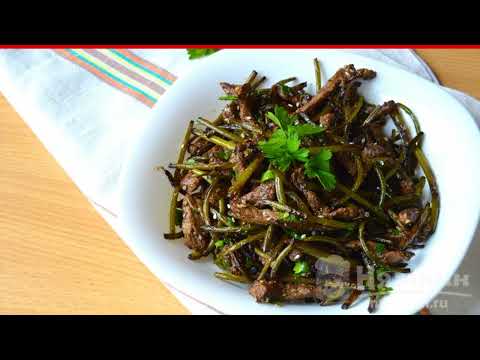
x=228 y=206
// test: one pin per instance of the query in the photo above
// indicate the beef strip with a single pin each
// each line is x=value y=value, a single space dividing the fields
x=245 y=100
x=407 y=186
x=242 y=154
x=265 y=291
x=392 y=257
x=244 y=207
x=195 y=237
x=230 y=112
x=325 y=120
x=190 y=182
x=346 y=213
x=340 y=78
x=264 y=191
x=198 y=146
x=347 y=161
x=297 y=177
x=372 y=151
x=409 y=216
x=396 y=257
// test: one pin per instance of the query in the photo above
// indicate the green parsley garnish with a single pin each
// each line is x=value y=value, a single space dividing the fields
x=285 y=89
x=283 y=147
x=228 y=97
x=199 y=53
x=219 y=244
x=267 y=175
x=301 y=268
x=318 y=167
x=382 y=270
x=379 y=248
x=396 y=232
x=295 y=235
x=224 y=154
x=285 y=216
x=382 y=291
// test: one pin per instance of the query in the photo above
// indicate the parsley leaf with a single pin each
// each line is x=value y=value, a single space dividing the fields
x=219 y=244
x=295 y=235
x=301 y=268
x=224 y=154
x=379 y=248
x=198 y=53
x=396 y=232
x=308 y=129
x=382 y=291
x=318 y=167
x=228 y=97
x=285 y=216
x=283 y=148
x=267 y=175
x=285 y=89
x=382 y=270
x=281 y=117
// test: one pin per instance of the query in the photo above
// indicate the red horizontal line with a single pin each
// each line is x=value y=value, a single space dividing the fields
x=241 y=46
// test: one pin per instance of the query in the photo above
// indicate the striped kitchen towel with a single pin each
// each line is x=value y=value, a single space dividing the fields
x=86 y=105
x=123 y=70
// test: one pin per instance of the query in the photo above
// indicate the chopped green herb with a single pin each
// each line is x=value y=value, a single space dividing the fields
x=295 y=235
x=199 y=53
x=379 y=248
x=267 y=175
x=281 y=117
x=219 y=244
x=318 y=167
x=308 y=129
x=224 y=154
x=228 y=97
x=283 y=147
x=385 y=290
x=285 y=216
x=285 y=89
x=382 y=270
x=396 y=232
x=301 y=268
x=222 y=262
x=190 y=161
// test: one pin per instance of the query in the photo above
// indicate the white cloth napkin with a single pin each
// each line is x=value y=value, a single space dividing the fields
x=87 y=125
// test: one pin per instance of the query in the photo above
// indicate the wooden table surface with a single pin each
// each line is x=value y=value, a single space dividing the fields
x=58 y=256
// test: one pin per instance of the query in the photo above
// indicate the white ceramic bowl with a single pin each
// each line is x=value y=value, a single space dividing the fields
x=452 y=144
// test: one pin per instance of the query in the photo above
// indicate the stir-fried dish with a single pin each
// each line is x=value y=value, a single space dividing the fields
x=306 y=198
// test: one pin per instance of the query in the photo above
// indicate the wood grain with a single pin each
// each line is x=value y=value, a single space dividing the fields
x=58 y=256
